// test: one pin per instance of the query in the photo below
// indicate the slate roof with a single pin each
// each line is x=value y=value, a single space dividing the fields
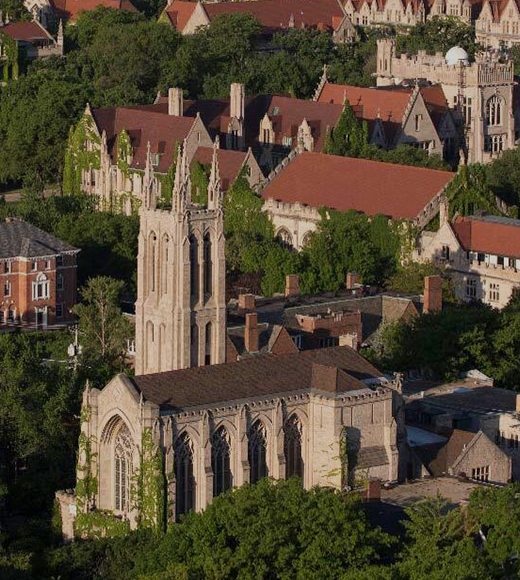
x=489 y=234
x=371 y=457
x=344 y=183
x=253 y=377
x=22 y=239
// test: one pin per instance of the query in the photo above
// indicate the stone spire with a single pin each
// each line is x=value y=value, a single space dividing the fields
x=215 y=185
x=177 y=193
x=60 y=36
x=148 y=189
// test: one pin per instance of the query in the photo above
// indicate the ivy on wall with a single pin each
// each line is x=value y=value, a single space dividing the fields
x=149 y=485
x=98 y=524
x=79 y=155
x=167 y=180
x=199 y=182
x=12 y=57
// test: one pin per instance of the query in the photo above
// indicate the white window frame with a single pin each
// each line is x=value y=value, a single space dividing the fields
x=41 y=288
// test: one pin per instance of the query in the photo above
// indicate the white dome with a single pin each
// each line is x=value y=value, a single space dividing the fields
x=455 y=55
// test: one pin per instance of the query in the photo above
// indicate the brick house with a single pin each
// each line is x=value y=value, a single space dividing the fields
x=37 y=277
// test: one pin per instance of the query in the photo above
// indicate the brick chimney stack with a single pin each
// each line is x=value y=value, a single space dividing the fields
x=292 y=286
x=175 y=102
x=246 y=301
x=251 y=332
x=432 y=294
x=352 y=280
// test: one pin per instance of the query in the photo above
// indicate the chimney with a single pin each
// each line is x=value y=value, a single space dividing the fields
x=444 y=211
x=349 y=339
x=237 y=99
x=518 y=403
x=246 y=302
x=175 y=102
x=432 y=294
x=251 y=332
x=292 y=286
x=353 y=279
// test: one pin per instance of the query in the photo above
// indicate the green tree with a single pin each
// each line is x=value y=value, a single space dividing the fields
x=15 y=10
x=348 y=138
x=439 y=34
x=103 y=328
x=199 y=182
x=504 y=176
x=441 y=545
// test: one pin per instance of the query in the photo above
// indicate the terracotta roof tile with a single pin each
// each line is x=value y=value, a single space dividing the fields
x=26 y=31
x=275 y=14
x=179 y=13
x=344 y=183
x=230 y=163
x=162 y=131
x=71 y=9
x=489 y=235
x=252 y=377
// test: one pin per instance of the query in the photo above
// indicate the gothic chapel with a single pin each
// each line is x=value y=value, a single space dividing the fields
x=187 y=428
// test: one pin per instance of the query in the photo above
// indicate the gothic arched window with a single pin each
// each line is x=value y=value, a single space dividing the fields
x=153 y=265
x=123 y=446
x=208 y=266
x=208 y=343
x=194 y=268
x=306 y=239
x=194 y=346
x=293 y=447
x=257 y=451
x=164 y=266
x=184 y=479
x=285 y=237
x=221 y=461
x=494 y=110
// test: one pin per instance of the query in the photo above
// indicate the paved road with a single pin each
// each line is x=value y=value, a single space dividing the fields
x=17 y=196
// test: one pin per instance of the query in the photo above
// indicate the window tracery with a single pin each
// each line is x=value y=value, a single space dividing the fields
x=123 y=447
x=293 y=447
x=221 y=461
x=184 y=479
x=257 y=451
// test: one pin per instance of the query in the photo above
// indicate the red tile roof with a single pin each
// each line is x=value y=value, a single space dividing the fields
x=70 y=9
x=489 y=235
x=272 y=14
x=343 y=183
x=179 y=13
x=162 y=131
x=26 y=31
x=287 y=115
x=229 y=162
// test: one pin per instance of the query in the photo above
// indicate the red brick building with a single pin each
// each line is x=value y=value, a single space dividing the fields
x=37 y=277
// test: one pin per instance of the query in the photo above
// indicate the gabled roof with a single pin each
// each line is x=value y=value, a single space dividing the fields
x=164 y=132
x=257 y=377
x=19 y=239
x=275 y=15
x=488 y=234
x=344 y=183
x=287 y=114
x=25 y=31
x=179 y=13
x=229 y=162
x=71 y=9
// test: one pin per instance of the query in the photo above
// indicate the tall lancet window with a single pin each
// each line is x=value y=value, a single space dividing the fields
x=184 y=479
x=164 y=266
x=257 y=452
x=494 y=110
x=194 y=268
x=208 y=266
x=122 y=469
x=153 y=265
x=194 y=346
x=208 y=343
x=221 y=461
x=293 y=447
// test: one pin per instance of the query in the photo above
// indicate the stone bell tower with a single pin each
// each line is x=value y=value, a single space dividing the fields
x=180 y=308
